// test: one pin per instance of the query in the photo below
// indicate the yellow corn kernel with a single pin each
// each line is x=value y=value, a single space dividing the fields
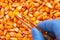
x=12 y=33
x=19 y=8
x=14 y=24
x=4 y=21
x=31 y=3
x=40 y=17
x=30 y=0
x=18 y=35
x=57 y=14
x=9 y=27
x=22 y=29
x=9 y=23
x=7 y=7
x=28 y=39
x=44 y=17
x=25 y=38
x=23 y=0
x=10 y=14
x=4 y=4
x=56 y=1
x=36 y=4
x=16 y=29
x=44 y=14
x=33 y=18
x=6 y=1
x=25 y=13
x=14 y=39
x=10 y=1
x=15 y=13
x=34 y=22
x=37 y=21
x=15 y=4
x=36 y=14
x=7 y=36
x=49 y=5
x=30 y=15
x=47 y=9
x=15 y=19
x=19 y=38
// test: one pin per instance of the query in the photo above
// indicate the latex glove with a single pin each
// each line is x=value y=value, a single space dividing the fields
x=50 y=26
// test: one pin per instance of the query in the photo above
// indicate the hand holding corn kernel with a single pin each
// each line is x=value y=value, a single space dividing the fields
x=50 y=26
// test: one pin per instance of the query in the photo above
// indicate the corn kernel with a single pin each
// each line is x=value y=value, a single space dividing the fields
x=18 y=35
x=30 y=15
x=49 y=5
x=13 y=38
x=15 y=19
x=22 y=29
x=1 y=0
x=1 y=26
x=33 y=18
x=15 y=13
x=25 y=38
x=1 y=32
x=56 y=1
x=16 y=29
x=11 y=14
x=57 y=14
x=9 y=27
x=36 y=13
x=19 y=8
x=12 y=34
x=7 y=37
x=9 y=23
x=25 y=13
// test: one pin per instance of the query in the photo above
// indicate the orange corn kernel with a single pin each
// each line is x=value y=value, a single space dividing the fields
x=29 y=39
x=29 y=35
x=1 y=26
x=1 y=32
x=15 y=19
x=1 y=0
x=22 y=29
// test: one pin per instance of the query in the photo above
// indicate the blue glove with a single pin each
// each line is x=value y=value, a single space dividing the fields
x=50 y=26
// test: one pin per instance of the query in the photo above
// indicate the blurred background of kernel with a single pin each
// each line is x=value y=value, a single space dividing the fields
x=12 y=28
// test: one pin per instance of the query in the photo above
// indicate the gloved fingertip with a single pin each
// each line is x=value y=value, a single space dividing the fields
x=37 y=35
x=42 y=25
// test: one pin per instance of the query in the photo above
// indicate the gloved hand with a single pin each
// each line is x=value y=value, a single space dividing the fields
x=50 y=26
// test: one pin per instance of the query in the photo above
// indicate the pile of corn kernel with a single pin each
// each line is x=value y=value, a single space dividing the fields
x=12 y=28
